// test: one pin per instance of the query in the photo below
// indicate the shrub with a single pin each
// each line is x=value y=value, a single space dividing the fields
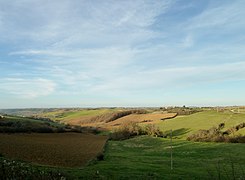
x=18 y=170
x=216 y=135
x=232 y=130
x=153 y=130
x=237 y=139
x=43 y=130
x=132 y=129
x=100 y=157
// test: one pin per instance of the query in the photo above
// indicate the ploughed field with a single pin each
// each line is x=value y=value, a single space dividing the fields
x=53 y=149
x=111 y=120
x=142 y=118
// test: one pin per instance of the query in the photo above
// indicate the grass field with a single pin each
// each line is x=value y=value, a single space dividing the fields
x=149 y=158
x=67 y=115
x=55 y=149
x=182 y=126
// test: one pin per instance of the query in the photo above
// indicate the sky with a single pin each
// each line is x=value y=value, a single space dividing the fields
x=81 y=53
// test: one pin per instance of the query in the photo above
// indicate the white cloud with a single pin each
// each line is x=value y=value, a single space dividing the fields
x=118 y=47
x=80 y=64
x=188 y=41
x=66 y=23
x=37 y=52
x=27 y=88
x=170 y=78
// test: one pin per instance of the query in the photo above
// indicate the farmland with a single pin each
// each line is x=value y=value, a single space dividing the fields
x=53 y=149
x=140 y=157
x=142 y=118
x=101 y=118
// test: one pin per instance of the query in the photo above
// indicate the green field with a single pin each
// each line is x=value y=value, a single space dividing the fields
x=182 y=126
x=149 y=158
x=66 y=115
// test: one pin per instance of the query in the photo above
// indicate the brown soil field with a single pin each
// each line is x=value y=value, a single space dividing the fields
x=53 y=149
x=102 y=118
x=139 y=118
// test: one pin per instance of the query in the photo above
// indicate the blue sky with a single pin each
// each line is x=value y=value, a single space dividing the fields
x=64 y=53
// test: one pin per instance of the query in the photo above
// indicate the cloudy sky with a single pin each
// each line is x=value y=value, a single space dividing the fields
x=69 y=53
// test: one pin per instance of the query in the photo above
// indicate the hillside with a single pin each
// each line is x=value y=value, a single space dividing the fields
x=107 y=119
x=140 y=157
x=183 y=126
x=17 y=124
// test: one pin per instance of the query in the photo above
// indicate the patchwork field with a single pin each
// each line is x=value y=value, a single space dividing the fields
x=140 y=157
x=138 y=118
x=107 y=119
x=141 y=118
x=56 y=149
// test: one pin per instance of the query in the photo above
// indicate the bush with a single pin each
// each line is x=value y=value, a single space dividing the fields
x=216 y=135
x=132 y=129
x=43 y=130
x=100 y=157
x=126 y=131
x=212 y=134
x=237 y=139
x=232 y=130
x=153 y=130
x=18 y=170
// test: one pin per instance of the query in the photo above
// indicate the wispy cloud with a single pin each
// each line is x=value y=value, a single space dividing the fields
x=63 y=23
x=172 y=78
x=109 y=48
x=27 y=88
x=188 y=41
x=225 y=15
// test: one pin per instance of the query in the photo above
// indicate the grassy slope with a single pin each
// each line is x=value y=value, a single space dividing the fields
x=68 y=115
x=28 y=123
x=28 y=120
x=184 y=125
x=149 y=158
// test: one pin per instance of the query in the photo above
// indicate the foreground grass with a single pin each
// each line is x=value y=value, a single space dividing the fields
x=183 y=126
x=149 y=158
